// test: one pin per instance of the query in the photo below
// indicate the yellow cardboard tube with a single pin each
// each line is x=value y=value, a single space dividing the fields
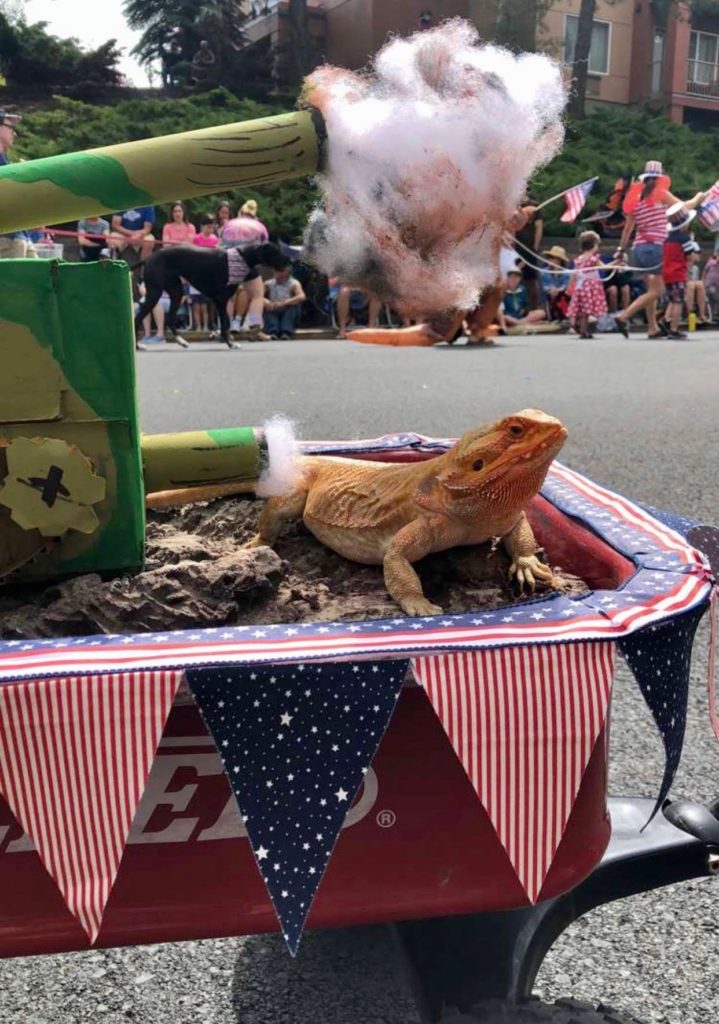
x=198 y=458
x=58 y=189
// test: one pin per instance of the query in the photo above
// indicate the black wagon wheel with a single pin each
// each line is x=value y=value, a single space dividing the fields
x=534 y=1011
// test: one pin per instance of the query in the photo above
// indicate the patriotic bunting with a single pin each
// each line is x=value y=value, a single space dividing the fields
x=75 y=754
x=296 y=742
x=523 y=721
x=522 y=692
x=660 y=659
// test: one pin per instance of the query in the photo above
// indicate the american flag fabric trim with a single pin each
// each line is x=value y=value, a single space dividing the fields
x=296 y=742
x=670 y=577
x=75 y=754
x=575 y=198
x=523 y=721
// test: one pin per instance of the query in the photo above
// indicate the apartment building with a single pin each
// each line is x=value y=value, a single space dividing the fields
x=643 y=52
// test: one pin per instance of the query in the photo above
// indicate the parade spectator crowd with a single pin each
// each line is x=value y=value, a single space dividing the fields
x=641 y=267
x=542 y=286
x=268 y=307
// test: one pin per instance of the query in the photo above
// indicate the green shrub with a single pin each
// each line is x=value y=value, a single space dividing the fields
x=616 y=140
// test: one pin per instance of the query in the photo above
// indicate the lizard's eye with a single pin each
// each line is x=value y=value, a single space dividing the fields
x=516 y=430
x=479 y=464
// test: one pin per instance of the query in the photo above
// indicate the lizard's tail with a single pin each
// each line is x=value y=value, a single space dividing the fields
x=282 y=469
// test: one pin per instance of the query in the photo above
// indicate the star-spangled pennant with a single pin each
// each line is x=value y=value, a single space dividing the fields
x=523 y=721
x=75 y=754
x=660 y=660
x=295 y=742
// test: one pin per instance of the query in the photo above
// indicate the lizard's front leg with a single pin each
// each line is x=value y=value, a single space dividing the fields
x=412 y=542
x=522 y=549
x=277 y=512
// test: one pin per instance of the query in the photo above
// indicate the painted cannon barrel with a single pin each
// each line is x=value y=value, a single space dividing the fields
x=57 y=189
x=198 y=457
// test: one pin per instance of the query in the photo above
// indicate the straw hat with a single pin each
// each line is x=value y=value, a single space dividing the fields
x=558 y=253
x=652 y=169
x=678 y=216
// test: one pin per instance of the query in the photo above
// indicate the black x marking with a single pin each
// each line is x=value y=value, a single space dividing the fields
x=50 y=486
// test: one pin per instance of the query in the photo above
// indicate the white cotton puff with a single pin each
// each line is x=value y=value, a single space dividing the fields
x=282 y=471
x=429 y=154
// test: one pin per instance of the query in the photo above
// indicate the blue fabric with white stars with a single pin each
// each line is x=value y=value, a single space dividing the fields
x=660 y=659
x=296 y=742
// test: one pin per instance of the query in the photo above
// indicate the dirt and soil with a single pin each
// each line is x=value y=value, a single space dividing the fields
x=198 y=575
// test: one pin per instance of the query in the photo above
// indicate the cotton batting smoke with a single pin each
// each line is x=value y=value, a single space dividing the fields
x=281 y=473
x=429 y=156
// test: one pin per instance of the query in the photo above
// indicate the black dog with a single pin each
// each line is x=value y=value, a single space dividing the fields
x=215 y=273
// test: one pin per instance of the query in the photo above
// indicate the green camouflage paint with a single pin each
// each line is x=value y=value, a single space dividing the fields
x=87 y=175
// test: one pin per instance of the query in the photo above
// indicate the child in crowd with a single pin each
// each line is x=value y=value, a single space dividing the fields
x=675 y=268
x=710 y=277
x=588 y=301
x=555 y=281
x=201 y=310
x=93 y=237
x=696 y=292
x=284 y=296
x=515 y=310
x=206 y=237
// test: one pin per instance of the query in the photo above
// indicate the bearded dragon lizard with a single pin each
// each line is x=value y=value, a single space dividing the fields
x=394 y=514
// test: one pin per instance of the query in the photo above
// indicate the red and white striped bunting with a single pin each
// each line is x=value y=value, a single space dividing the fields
x=75 y=754
x=523 y=721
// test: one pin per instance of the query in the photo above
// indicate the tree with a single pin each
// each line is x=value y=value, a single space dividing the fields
x=172 y=31
x=580 y=63
x=301 y=52
x=32 y=58
x=510 y=23
x=12 y=9
x=663 y=9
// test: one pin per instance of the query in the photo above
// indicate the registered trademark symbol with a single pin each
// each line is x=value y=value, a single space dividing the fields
x=386 y=819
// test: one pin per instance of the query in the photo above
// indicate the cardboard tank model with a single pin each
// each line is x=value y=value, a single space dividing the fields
x=74 y=471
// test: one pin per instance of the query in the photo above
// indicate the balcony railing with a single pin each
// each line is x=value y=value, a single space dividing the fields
x=703 y=79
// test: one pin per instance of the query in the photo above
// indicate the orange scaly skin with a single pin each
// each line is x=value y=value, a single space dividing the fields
x=393 y=515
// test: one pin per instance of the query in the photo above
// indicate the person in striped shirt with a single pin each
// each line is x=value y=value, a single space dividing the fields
x=646 y=206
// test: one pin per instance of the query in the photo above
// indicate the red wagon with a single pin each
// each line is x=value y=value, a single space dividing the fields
x=423 y=846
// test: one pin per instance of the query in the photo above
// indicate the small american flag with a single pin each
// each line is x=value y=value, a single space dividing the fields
x=708 y=212
x=575 y=198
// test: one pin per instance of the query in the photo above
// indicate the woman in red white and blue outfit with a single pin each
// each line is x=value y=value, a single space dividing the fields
x=646 y=206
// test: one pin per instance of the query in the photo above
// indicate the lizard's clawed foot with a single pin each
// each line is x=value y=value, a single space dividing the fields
x=528 y=570
x=256 y=542
x=416 y=606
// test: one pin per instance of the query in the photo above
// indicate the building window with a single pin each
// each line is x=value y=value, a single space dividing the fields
x=599 y=49
x=657 y=63
x=703 y=54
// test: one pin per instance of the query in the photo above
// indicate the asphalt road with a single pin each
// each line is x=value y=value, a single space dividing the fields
x=643 y=419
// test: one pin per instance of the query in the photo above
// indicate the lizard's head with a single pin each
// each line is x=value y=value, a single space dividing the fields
x=504 y=464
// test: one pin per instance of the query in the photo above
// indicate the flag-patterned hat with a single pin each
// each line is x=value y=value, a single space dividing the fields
x=652 y=169
x=678 y=216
